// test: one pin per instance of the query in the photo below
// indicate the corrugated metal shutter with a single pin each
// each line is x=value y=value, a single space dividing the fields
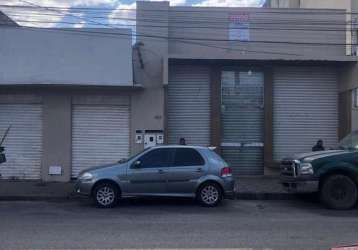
x=305 y=109
x=189 y=104
x=24 y=142
x=242 y=121
x=100 y=135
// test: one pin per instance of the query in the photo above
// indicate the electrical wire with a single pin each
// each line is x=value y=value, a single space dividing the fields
x=228 y=40
x=207 y=20
x=187 y=27
x=198 y=38
x=311 y=22
x=190 y=9
x=119 y=35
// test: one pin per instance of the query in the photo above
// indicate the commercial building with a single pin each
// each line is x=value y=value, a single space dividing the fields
x=258 y=83
x=349 y=74
x=254 y=83
x=67 y=97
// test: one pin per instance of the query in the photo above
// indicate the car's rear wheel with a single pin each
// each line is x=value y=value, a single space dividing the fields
x=339 y=192
x=106 y=195
x=209 y=194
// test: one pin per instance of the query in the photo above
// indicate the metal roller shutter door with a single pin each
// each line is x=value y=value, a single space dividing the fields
x=100 y=135
x=242 y=122
x=305 y=109
x=24 y=142
x=189 y=104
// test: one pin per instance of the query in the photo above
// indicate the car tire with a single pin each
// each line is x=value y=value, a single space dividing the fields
x=209 y=194
x=339 y=192
x=106 y=195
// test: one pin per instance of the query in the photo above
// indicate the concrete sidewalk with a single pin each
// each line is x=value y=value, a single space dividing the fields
x=249 y=188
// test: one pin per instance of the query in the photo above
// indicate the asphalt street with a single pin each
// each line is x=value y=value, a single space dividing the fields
x=294 y=224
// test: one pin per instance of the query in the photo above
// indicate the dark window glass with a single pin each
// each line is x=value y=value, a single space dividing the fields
x=188 y=157
x=157 y=158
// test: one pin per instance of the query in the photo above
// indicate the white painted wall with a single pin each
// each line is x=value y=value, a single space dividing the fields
x=48 y=56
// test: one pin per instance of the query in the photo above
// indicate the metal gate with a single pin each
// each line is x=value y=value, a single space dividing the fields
x=100 y=135
x=305 y=109
x=189 y=104
x=23 y=144
x=242 y=120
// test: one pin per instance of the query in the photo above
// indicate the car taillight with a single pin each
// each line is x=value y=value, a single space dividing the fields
x=225 y=172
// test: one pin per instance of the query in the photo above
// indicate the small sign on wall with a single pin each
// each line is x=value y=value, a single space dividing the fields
x=239 y=27
x=55 y=170
x=160 y=139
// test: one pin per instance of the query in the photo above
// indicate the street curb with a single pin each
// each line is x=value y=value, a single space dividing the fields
x=34 y=198
x=265 y=196
x=239 y=196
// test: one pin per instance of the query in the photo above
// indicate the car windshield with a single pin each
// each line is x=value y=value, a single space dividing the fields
x=124 y=160
x=350 y=142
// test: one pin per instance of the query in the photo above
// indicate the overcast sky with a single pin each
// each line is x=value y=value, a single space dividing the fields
x=65 y=17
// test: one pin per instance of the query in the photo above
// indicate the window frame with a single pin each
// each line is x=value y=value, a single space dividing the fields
x=171 y=158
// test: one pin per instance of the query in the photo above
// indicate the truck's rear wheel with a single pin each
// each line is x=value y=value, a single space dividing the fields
x=339 y=192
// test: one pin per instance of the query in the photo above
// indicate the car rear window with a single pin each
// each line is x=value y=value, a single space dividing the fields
x=187 y=157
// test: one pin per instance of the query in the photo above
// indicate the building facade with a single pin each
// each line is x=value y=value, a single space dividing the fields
x=350 y=73
x=255 y=84
x=66 y=96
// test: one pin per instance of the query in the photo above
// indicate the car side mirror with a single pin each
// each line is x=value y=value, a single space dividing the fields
x=137 y=164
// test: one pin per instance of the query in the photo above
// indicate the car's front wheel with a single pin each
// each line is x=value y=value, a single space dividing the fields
x=210 y=194
x=339 y=192
x=106 y=195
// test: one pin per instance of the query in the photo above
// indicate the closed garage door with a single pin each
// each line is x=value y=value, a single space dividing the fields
x=24 y=141
x=100 y=135
x=189 y=104
x=305 y=109
x=242 y=117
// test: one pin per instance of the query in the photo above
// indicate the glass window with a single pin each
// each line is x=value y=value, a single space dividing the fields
x=157 y=158
x=187 y=157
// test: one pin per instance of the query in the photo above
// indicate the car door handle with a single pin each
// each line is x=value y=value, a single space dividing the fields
x=161 y=171
x=199 y=170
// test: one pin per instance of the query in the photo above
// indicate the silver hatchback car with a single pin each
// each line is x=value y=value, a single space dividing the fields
x=173 y=171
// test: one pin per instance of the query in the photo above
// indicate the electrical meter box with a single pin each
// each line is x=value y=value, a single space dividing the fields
x=153 y=138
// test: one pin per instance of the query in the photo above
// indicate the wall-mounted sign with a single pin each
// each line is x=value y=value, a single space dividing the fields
x=239 y=27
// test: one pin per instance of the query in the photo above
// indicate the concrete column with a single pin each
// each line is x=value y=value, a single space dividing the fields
x=215 y=106
x=344 y=113
x=56 y=136
x=147 y=106
x=268 y=121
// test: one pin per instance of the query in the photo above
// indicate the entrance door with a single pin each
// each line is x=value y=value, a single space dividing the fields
x=242 y=120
